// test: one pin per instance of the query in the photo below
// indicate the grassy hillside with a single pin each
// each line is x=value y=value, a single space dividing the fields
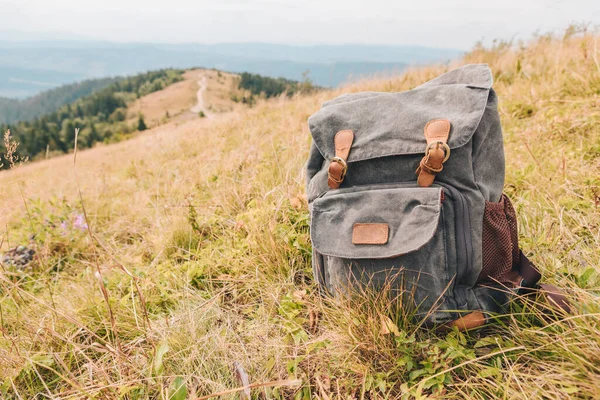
x=12 y=110
x=100 y=116
x=133 y=104
x=178 y=263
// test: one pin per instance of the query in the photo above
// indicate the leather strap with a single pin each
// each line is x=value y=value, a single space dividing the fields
x=337 y=167
x=530 y=274
x=436 y=153
x=472 y=320
x=556 y=296
x=530 y=278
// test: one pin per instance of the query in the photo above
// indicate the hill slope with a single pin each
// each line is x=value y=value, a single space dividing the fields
x=122 y=108
x=199 y=273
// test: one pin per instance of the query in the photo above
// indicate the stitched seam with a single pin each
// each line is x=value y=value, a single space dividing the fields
x=342 y=149
x=447 y=128
x=445 y=121
x=342 y=131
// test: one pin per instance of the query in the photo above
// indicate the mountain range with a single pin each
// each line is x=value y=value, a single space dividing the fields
x=28 y=67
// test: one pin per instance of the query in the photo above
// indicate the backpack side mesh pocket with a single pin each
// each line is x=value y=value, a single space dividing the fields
x=500 y=244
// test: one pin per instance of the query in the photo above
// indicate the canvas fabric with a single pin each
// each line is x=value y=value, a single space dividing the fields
x=433 y=255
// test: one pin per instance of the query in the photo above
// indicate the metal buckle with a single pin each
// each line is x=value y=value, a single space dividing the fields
x=445 y=147
x=342 y=162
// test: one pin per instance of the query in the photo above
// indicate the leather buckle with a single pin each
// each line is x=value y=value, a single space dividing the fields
x=437 y=144
x=344 y=165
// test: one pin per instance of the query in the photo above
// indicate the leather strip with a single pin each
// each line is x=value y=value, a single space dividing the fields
x=530 y=278
x=556 y=297
x=436 y=131
x=530 y=274
x=472 y=320
x=370 y=233
x=337 y=171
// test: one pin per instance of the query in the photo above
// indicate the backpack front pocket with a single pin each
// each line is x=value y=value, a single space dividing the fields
x=400 y=235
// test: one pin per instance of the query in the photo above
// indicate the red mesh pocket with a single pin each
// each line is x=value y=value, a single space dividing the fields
x=500 y=241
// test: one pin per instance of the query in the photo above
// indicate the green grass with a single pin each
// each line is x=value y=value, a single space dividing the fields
x=200 y=261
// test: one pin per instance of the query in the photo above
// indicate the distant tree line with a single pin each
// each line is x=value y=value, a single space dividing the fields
x=100 y=116
x=258 y=85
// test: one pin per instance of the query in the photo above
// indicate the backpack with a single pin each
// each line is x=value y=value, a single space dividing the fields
x=405 y=190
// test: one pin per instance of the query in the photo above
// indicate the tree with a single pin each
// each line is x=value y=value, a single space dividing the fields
x=259 y=85
x=67 y=137
x=93 y=135
x=141 y=124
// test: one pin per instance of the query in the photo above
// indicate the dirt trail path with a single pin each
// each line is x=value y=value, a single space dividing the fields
x=199 y=107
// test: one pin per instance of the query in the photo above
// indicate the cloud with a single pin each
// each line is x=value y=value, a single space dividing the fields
x=456 y=24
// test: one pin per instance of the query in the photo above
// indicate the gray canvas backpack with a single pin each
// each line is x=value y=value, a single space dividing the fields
x=443 y=237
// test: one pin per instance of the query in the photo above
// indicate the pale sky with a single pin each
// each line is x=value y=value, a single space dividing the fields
x=436 y=23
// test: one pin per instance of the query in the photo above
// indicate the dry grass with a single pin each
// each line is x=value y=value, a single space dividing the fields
x=222 y=86
x=200 y=260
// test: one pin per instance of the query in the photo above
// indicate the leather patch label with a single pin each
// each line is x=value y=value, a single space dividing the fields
x=370 y=233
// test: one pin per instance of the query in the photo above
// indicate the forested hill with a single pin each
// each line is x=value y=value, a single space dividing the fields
x=99 y=116
x=13 y=110
x=125 y=106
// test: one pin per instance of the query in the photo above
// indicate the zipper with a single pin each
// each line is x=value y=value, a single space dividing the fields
x=462 y=221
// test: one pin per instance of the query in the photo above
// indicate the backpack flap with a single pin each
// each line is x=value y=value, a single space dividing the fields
x=390 y=124
x=375 y=223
